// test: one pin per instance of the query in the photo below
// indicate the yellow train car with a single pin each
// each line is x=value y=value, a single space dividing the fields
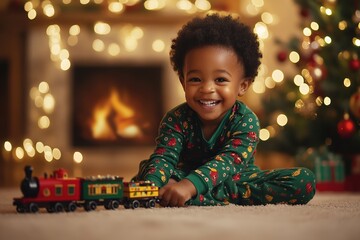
x=138 y=194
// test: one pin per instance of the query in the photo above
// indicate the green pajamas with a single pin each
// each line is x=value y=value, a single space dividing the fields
x=222 y=168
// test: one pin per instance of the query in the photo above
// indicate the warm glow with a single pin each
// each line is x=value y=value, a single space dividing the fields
x=314 y=26
x=49 y=103
x=154 y=4
x=39 y=147
x=347 y=82
x=78 y=157
x=56 y=153
x=131 y=43
x=261 y=30
x=282 y=119
x=7 y=146
x=72 y=40
x=114 y=49
x=44 y=122
x=269 y=82
x=203 y=5
x=102 y=28
x=267 y=18
x=137 y=32
x=319 y=101
x=298 y=80
x=258 y=3
x=304 y=89
x=116 y=7
x=74 y=30
x=264 y=134
x=158 y=45
x=48 y=9
x=342 y=25
x=29 y=148
x=294 y=57
x=327 y=39
x=258 y=86
x=121 y=123
x=356 y=41
x=184 y=5
x=44 y=87
x=65 y=64
x=98 y=45
x=277 y=75
x=48 y=154
x=19 y=153
x=327 y=101
x=307 y=32
x=299 y=104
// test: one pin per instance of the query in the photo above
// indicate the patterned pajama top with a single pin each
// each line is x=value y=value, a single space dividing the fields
x=183 y=152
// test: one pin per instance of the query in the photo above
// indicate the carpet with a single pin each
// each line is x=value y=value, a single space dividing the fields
x=327 y=216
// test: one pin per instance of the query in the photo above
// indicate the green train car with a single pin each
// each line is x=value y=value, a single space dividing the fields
x=106 y=191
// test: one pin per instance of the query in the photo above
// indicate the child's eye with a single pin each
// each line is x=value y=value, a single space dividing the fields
x=194 y=79
x=221 y=80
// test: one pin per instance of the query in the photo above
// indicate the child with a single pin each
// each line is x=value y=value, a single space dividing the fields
x=205 y=147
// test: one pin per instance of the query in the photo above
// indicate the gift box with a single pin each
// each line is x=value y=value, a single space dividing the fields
x=327 y=166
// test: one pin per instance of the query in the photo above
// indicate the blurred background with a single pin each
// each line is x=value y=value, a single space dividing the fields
x=84 y=84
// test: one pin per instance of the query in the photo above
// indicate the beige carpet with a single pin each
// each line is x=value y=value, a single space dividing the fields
x=327 y=216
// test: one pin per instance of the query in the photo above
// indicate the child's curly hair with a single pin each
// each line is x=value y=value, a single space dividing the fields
x=218 y=30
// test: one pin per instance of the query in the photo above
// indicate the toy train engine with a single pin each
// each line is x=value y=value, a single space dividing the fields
x=55 y=193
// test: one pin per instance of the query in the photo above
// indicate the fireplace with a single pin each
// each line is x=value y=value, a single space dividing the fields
x=117 y=105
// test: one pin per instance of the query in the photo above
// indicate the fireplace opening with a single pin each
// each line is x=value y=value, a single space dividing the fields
x=116 y=105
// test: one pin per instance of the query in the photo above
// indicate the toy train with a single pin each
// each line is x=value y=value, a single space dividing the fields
x=58 y=192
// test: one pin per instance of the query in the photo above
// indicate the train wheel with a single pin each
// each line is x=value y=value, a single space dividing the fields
x=150 y=203
x=90 y=206
x=127 y=205
x=93 y=205
x=71 y=207
x=114 y=204
x=135 y=204
x=58 y=207
x=33 y=208
x=50 y=209
x=20 y=209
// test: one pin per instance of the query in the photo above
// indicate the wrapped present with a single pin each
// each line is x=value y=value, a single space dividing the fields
x=328 y=168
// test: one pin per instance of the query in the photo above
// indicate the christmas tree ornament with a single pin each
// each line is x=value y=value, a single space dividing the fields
x=346 y=127
x=354 y=64
x=354 y=104
x=281 y=56
x=304 y=12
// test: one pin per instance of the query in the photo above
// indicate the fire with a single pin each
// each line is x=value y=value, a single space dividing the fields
x=111 y=119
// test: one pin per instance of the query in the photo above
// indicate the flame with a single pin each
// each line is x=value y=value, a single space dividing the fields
x=112 y=118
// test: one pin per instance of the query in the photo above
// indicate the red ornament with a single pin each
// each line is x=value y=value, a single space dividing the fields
x=354 y=64
x=346 y=127
x=304 y=12
x=355 y=104
x=281 y=56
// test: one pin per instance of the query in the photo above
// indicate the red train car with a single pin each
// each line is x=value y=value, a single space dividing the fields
x=56 y=193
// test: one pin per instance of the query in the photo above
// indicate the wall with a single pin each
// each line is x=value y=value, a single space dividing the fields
x=119 y=161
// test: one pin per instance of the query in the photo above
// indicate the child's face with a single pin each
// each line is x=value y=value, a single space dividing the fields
x=213 y=79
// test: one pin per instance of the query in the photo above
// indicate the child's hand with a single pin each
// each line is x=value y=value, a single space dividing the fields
x=176 y=194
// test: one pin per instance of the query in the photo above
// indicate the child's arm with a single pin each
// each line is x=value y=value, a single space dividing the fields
x=176 y=194
x=159 y=167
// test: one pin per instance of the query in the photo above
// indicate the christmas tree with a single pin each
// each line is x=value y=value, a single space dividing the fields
x=321 y=100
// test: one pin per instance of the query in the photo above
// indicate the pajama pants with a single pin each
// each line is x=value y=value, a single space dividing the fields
x=257 y=187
